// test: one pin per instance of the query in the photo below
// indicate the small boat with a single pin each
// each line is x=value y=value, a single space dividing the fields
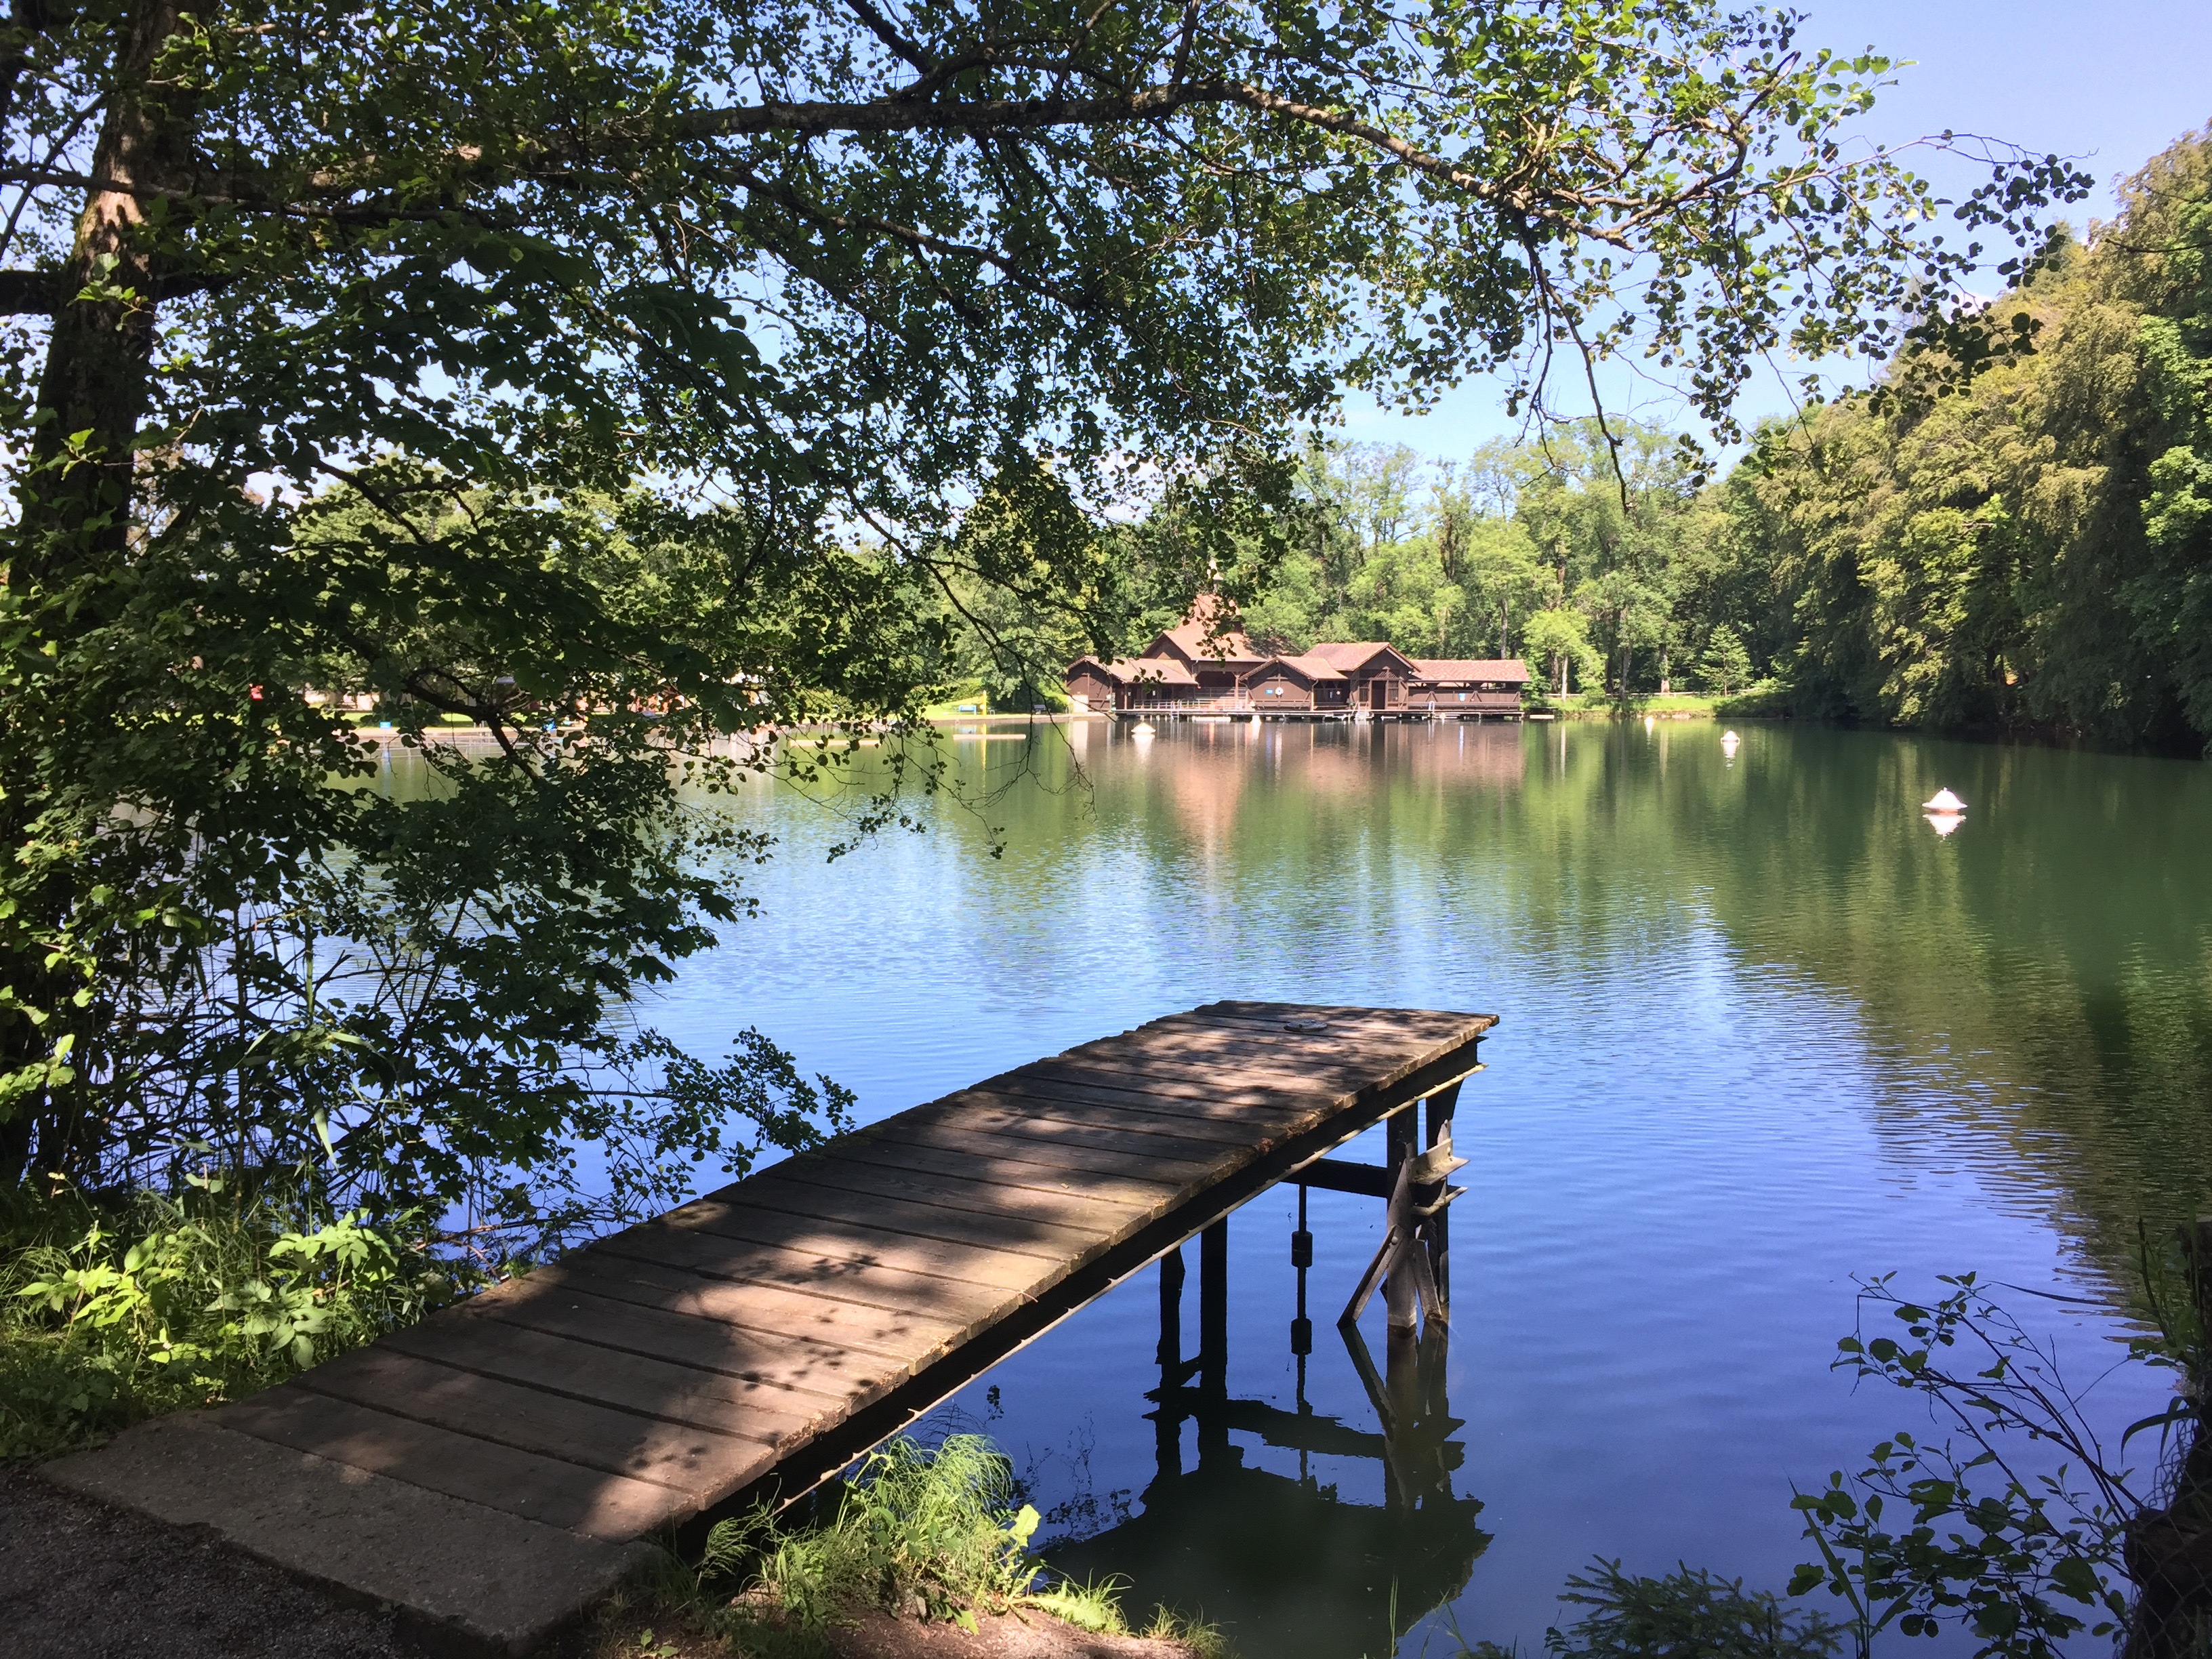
x=1942 y=801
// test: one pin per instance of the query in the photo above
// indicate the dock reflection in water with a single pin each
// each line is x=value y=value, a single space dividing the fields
x=1287 y=1565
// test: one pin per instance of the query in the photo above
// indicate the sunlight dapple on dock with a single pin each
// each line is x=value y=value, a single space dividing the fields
x=494 y=1469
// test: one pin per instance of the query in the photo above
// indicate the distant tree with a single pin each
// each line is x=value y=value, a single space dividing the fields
x=1559 y=637
x=1726 y=665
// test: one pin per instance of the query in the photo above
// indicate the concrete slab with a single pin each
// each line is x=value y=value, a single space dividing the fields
x=467 y=1578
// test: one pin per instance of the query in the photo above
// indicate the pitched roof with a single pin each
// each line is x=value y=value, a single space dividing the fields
x=1310 y=668
x=1348 y=654
x=1208 y=635
x=1194 y=642
x=1145 y=671
x=1455 y=669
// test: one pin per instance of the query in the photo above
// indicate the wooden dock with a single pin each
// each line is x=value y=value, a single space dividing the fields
x=494 y=1469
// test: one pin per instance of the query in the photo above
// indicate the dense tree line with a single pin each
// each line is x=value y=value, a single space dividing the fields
x=2009 y=544
x=2036 y=549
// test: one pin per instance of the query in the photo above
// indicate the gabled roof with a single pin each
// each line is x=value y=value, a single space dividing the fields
x=1456 y=669
x=1351 y=655
x=1208 y=636
x=1191 y=642
x=1311 y=669
x=1140 y=671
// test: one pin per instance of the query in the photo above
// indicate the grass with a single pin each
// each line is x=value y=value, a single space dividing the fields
x=1601 y=705
x=924 y=1533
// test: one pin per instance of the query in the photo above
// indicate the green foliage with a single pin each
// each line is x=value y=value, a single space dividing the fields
x=1687 y=1614
x=2038 y=547
x=110 y=1313
x=1726 y=665
x=927 y=1533
x=2023 y=1561
x=931 y=1532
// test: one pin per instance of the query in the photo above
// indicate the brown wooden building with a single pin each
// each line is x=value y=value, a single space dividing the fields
x=1207 y=666
x=1479 y=686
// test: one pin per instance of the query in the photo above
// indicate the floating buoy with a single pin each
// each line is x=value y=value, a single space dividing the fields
x=1728 y=742
x=1650 y=721
x=1942 y=801
x=1143 y=731
x=1944 y=822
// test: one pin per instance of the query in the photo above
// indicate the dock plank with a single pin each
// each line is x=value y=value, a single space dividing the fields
x=1048 y=1152
x=693 y=1463
x=1083 y=1207
x=559 y=1494
x=762 y=1364
x=770 y=1309
x=998 y=1167
x=776 y=1326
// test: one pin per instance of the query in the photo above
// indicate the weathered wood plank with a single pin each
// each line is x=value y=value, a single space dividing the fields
x=1088 y=1208
x=893 y=1333
x=1005 y=1232
x=779 y=1362
x=855 y=1275
x=717 y=1399
x=1178 y=1130
x=997 y=1168
x=1046 y=1149
x=694 y=1462
x=834 y=1239
x=546 y=1489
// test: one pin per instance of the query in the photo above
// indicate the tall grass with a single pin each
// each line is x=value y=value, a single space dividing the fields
x=116 y=1309
x=917 y=1532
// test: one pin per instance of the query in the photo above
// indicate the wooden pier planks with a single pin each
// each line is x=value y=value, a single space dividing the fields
x=779 y=1326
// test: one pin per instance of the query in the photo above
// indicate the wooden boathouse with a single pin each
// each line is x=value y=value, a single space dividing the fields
x=495 y=1468
x=1207 y=667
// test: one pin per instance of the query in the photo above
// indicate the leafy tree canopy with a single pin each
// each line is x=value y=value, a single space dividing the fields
x=616 y=377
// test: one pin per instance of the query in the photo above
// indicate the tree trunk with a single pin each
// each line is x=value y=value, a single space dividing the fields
x=75 y=525
x=94 y=391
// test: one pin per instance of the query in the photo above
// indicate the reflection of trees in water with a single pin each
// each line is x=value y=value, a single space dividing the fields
x=2035 y=990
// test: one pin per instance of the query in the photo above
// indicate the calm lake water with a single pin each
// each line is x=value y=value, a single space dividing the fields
x=1762 y=1030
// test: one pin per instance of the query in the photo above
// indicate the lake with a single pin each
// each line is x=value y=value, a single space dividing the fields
x=1763 y=1029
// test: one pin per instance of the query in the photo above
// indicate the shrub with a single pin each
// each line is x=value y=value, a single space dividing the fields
x=112 y=1309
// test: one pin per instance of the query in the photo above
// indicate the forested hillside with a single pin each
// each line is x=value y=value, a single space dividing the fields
x=2028 y=547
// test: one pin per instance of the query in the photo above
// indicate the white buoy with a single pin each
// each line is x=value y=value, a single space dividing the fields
x=1728 y=742
x=1142 y=733
x=1650 y=721
x=1942 y=801
x=1944 y=822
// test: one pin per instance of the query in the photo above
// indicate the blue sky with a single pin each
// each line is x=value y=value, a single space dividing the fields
x=2110 y=84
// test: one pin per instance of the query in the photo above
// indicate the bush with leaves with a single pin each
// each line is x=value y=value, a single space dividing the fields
x=109 y=1313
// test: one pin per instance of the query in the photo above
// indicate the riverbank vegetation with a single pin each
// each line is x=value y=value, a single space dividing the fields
x=932 y=1534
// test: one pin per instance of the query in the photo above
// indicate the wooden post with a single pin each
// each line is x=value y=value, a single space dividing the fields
x=1213 y=1308
x=1212 y=1343
x=1440 y=1106
x=1166 y=1422
x=1172 y=1273
x=1399 y=1296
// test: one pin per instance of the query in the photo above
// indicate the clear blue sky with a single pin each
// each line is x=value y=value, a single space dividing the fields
x=2110 y=84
